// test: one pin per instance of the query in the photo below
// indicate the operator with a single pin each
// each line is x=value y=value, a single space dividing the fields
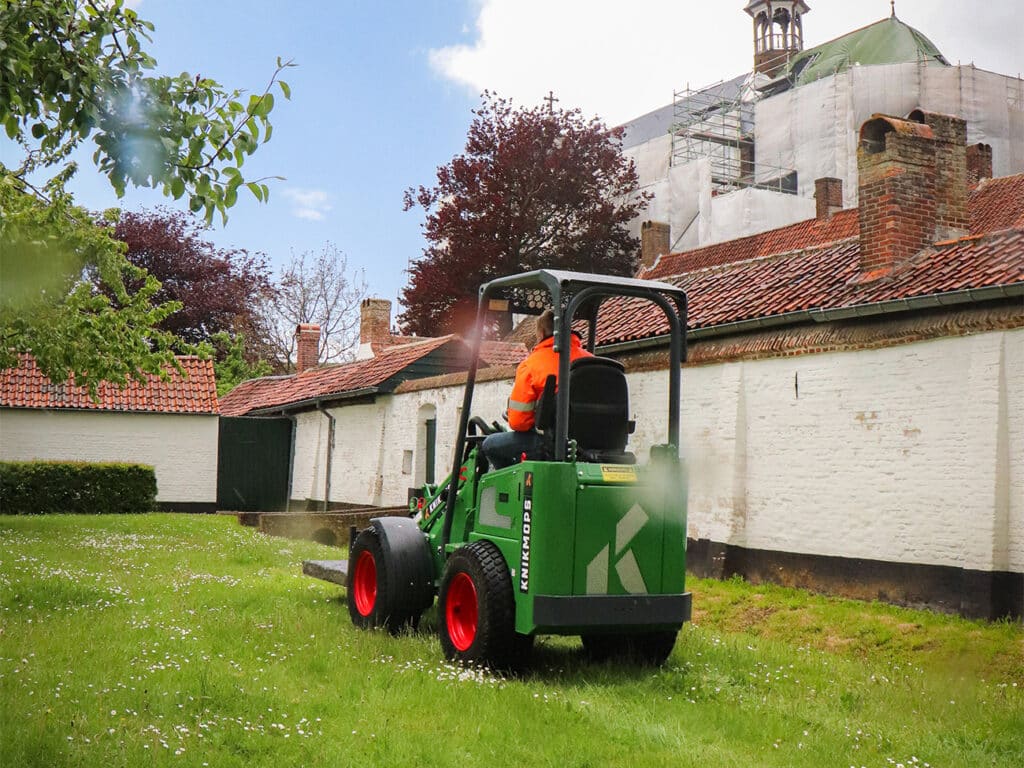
x=503 y=449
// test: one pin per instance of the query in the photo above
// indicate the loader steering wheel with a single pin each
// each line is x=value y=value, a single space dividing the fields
x=476 y=423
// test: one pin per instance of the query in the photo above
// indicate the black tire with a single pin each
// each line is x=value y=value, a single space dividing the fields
x=476 y=610
x=370 y=603
x=645 y=648
x=390 y=576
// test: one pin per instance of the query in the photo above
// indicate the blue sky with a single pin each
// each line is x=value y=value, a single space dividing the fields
x=383 y=90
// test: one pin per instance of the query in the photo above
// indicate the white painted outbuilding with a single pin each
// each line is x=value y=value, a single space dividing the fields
x=171 y=425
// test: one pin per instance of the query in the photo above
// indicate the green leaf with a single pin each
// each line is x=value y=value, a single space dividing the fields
x=285 y=89
x=256 y=189
x=38 y=130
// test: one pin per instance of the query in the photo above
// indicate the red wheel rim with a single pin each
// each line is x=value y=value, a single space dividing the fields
x=460 y=611
x=364 y=583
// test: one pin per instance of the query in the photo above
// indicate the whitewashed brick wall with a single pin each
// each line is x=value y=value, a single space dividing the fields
x=181 y=448
x=913 y=453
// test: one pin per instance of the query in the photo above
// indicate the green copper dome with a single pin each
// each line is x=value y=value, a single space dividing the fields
x=888 y=41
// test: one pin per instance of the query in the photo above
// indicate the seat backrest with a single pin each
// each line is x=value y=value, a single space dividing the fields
x=544 y=417
x=598 y=404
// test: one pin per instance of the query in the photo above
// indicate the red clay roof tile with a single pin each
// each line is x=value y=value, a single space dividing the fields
x=274 y=391
x=806 y=234
x=27 y=387
x=997 y=204
x=814 y=265
x=503 y=352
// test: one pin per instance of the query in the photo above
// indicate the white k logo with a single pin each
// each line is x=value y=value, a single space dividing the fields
x=598 y=579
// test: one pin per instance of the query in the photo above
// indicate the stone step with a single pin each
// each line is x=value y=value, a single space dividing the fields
x=334 y=571
x=330 y=528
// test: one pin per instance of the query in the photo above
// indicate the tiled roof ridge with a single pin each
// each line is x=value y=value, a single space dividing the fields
x=812 y=226
x=974 y=237
x=334 y=367
x=995 y=181
x=416 y=340
x=329 y=381
x=726 y=266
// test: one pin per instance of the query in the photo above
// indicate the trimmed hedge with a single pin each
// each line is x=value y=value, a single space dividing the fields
x=76 y=487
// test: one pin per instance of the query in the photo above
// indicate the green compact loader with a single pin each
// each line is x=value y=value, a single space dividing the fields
x=579 y=540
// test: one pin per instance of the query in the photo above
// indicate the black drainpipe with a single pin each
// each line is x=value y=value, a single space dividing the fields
x=291 y=458
x=330 y=452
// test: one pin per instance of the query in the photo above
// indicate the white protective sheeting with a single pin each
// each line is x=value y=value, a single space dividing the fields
x=749 y=211
x=651 y=158
x=814 y=129
x=690 y=188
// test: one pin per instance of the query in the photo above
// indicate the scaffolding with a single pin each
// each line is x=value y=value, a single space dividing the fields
x=717 y=122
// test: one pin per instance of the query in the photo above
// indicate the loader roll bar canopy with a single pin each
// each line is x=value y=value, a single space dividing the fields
x=569 y=294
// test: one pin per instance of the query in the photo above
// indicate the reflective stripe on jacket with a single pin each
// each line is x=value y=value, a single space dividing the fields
x=530 y=377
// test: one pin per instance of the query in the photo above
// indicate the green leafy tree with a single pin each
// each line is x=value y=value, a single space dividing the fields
x=71 y=71
x=233 y=365
x=54 y=259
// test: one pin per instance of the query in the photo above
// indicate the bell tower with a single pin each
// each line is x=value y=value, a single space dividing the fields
x=778 y=32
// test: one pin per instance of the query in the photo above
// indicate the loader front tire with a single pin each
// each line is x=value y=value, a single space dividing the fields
x=476 y=610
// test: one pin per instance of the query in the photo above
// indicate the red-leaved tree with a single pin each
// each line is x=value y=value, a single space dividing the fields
x=535 y=188
x=221 y=290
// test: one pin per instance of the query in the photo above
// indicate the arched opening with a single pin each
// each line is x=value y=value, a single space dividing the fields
x=426 y=445
x=872 y=135
x=325 y=536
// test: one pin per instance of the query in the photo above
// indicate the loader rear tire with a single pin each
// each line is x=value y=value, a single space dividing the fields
x=476 y=610
x=649 y=649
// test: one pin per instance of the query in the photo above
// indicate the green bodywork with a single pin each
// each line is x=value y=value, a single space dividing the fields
x=591 y=548
x=589 y=529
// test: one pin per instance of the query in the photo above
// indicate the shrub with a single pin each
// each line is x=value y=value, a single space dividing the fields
x=75 y=487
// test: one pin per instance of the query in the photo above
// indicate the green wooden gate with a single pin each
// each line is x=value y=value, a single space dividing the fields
x=253 y=464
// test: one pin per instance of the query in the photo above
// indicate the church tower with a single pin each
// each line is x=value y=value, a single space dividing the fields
x=778 y=32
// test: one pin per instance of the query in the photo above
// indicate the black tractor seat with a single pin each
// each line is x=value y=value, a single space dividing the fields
x=598 y=411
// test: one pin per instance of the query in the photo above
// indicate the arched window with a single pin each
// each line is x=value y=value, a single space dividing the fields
x=426 y=444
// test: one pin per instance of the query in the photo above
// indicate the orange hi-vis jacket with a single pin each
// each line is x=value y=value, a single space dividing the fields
x=530 y=377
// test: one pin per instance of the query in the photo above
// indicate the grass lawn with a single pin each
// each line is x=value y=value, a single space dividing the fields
x=191 y=641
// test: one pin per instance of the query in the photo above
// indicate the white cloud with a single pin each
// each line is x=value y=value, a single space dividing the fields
x=309 y=204
x=621 y=59
x=132 y=4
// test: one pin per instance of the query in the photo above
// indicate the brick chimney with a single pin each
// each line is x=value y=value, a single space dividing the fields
x=654 y=242
x=950 y=134
x=979 y=163
x=828 y=196
x=375 y=321
x=307 y=346
x=896 y=166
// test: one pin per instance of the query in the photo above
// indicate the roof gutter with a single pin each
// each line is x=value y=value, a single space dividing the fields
x=952 y=298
